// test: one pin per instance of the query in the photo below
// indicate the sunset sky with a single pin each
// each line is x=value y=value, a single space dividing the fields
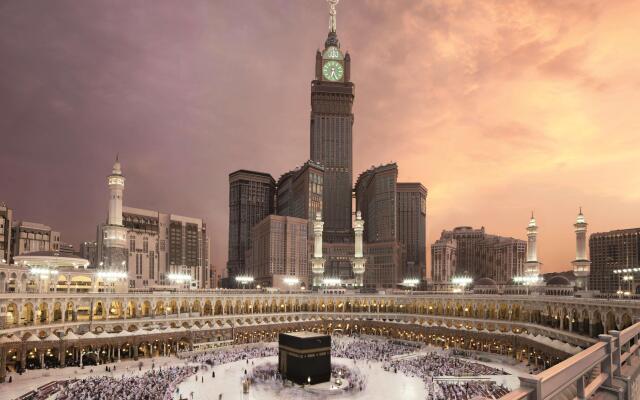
x=497 y=107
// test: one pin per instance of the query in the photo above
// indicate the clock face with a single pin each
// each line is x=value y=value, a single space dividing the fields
x=332 y=53
x=332 y=71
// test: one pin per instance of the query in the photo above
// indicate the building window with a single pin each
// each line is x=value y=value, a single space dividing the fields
x=138 y=264
x=152 y=265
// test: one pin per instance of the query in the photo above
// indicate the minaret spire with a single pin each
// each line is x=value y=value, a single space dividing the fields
x=332 y=15
x=581 y=265
x=532 y=265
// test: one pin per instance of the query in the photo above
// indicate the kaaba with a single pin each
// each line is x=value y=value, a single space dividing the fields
x=304 y=357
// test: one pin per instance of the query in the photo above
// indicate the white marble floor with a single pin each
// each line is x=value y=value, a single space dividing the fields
x=381 y=385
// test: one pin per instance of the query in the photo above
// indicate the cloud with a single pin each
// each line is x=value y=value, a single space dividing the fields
x=497 y=107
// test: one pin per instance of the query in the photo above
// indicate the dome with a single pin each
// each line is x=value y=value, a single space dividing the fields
x=532 y=221
x=580 y=219
x=332 y=40
x=117 y=169
x=558 y=280
x=486 y=282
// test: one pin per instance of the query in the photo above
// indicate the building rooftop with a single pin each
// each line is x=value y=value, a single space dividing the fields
x=241 y=172
x=50 y=259
x=305 y=334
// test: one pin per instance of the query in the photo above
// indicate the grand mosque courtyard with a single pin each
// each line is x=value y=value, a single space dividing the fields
x=364 y=367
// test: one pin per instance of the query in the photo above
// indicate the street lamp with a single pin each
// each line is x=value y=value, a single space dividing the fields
x=410 y=282
x=527 y=279
x=332 y=281
x=44 y=274
x=112 y=276
x=244 y=280
x=179 y=278
x=291 y=281
x=462 y=282
x=626 y=275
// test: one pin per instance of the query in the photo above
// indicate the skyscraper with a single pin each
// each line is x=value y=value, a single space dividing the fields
x=30 y=237
x=251 y=199
x=299 y=192
x=331 y=143
x=472 y=252
x=89 y=251
x=324 y=184
x=6 y=219
x=619 y=249
x=160 y=244
x=279 y=251
x=411 y=204
x=376 y=199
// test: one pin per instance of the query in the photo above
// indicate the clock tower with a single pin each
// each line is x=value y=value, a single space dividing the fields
x=331 y=143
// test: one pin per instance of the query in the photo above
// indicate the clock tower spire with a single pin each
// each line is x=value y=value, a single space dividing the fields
x=332 y=94
x=332 y=15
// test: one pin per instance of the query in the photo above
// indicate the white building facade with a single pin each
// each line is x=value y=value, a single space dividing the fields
x=155 y=245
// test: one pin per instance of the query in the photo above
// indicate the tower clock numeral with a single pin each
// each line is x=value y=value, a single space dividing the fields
x=332 y=71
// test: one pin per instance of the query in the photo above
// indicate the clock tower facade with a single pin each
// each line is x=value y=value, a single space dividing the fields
x=332 y=94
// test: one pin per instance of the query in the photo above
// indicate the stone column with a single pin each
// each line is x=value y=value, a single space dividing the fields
x=62 y=355
x=23 y=357
x=3 y=364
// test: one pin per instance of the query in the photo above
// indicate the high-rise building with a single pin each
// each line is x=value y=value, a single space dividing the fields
x=278 y=252
x=6 y=220
x=411 y=205
x=149 y=245
x=251 y=199
x=332 y=94
x=472 y=252
x=325 y=184
x=66 y=249
x=30 y=237
x=299 y=192
x=89 y=251
x=160 y=244
x=613 y=250
x=443 y=260
x=376 y=200
x=215 y=279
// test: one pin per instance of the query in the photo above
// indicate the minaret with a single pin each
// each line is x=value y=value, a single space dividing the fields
x=114 y=233
x=532 y=266
x=581 y=265
x=358 y=259
x=317 y=262
x=116 y=188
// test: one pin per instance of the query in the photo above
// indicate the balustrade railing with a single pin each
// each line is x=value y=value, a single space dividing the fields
x=589 y=371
